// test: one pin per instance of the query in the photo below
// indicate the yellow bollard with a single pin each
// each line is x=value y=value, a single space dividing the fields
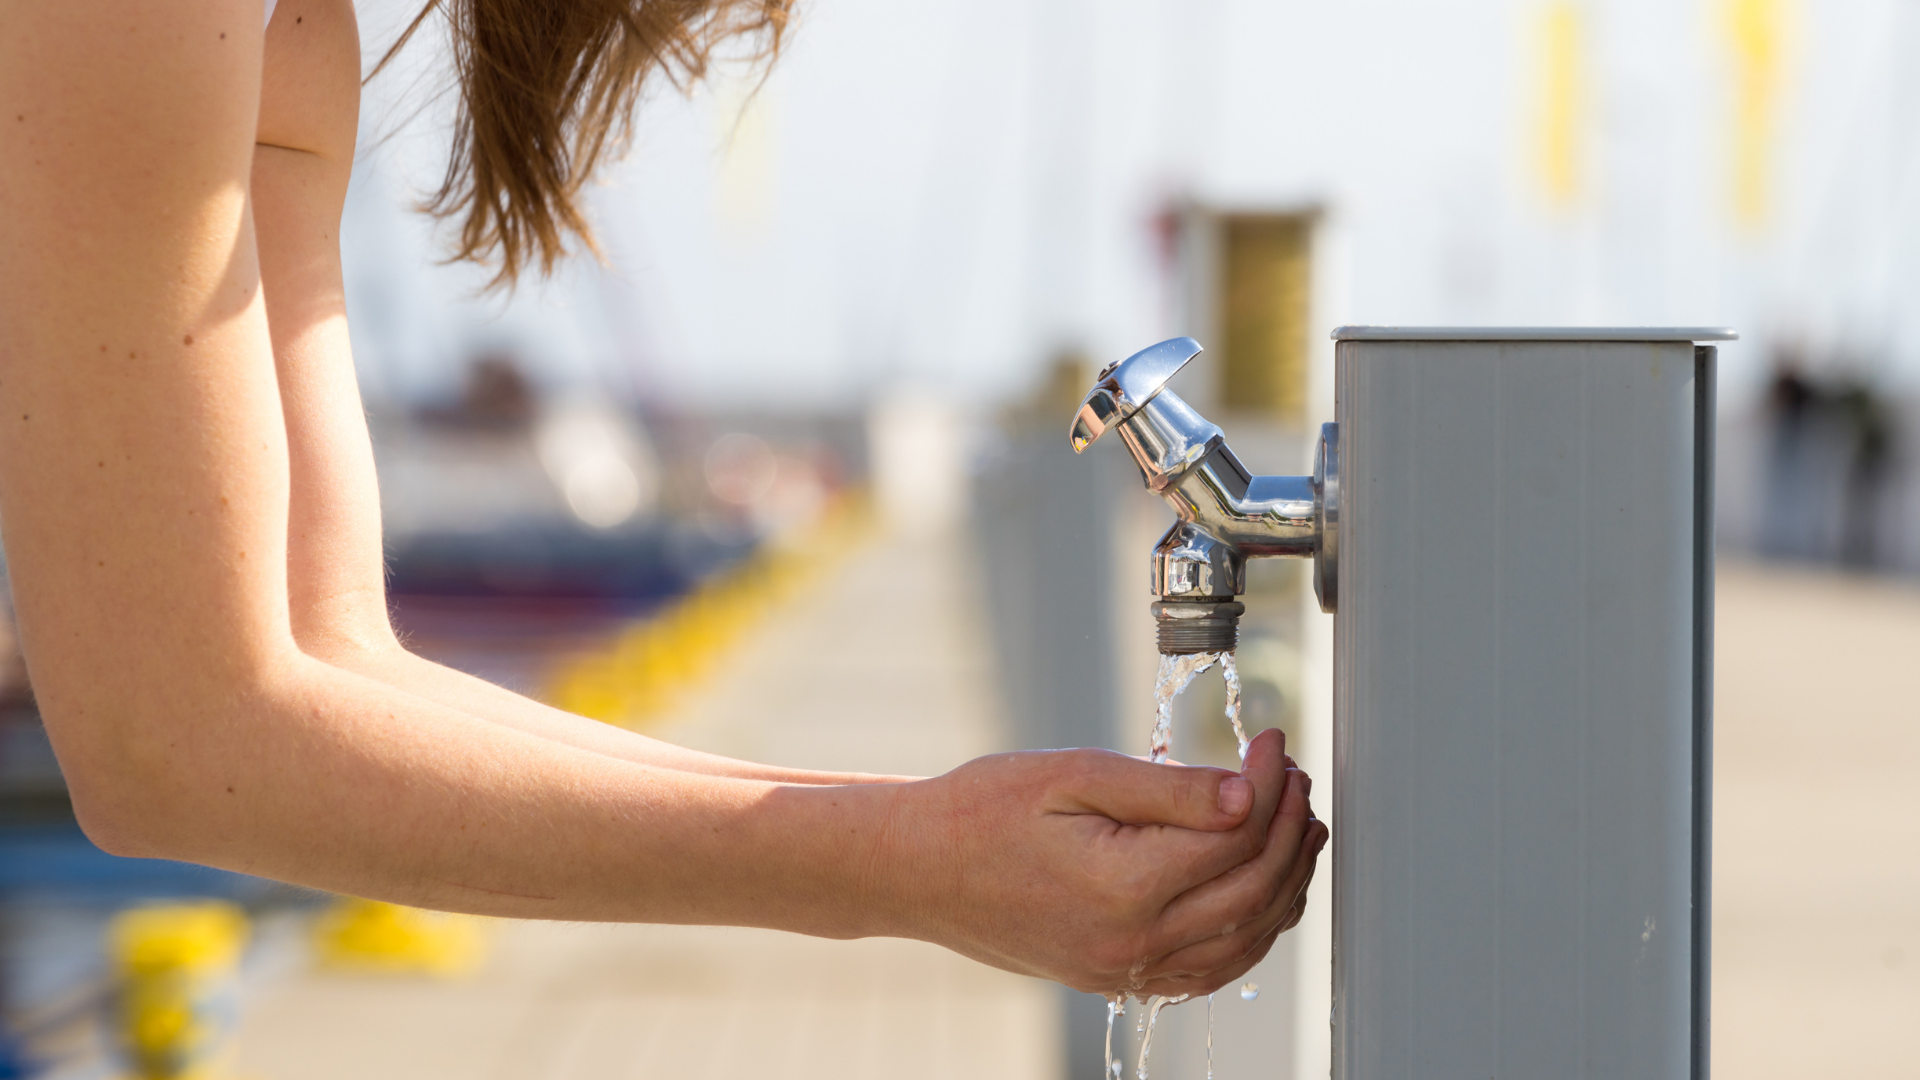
x=378 y=936
x=176 y=974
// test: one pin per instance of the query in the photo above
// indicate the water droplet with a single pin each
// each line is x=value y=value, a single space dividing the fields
x=1249 y=991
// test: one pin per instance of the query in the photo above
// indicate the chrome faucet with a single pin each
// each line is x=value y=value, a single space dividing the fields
x=1226 y=514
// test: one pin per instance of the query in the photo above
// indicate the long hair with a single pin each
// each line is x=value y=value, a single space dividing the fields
x=547 y=93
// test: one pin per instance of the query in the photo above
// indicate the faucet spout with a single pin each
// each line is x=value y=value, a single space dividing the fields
x=1226 y=513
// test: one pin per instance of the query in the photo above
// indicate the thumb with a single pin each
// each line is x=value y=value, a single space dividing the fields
x=1135 y=792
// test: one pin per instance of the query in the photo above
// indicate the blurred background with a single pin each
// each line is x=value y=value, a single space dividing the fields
x=786 y=477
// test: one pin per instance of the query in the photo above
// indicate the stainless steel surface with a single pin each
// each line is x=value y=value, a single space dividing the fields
x=1326 y=551
x=1520 y=724
x=1123 y=387
x=1190 y=563
x=1684 y=334
x=1226 y=514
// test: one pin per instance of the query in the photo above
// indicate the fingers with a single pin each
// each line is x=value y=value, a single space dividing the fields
x=1135 y=792
x=1184 y=858
x=1296 y=913
x=1201 y=985
x=1242 y=894
x=1280 y=916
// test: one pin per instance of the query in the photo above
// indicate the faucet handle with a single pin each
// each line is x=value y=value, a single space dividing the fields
x=1123 y=387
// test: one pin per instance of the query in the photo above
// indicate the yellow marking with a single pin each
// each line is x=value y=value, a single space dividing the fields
x=1562 y=102
x=371 y=935
x=645 y=670
x=1756 y=33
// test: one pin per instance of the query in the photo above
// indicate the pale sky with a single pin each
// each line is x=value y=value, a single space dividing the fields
x=947 y=192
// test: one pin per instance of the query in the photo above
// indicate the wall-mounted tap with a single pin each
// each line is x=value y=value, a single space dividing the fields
x=1226 y=513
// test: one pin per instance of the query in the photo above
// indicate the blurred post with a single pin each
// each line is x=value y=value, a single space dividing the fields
x=917 y=458
x=1045 y=521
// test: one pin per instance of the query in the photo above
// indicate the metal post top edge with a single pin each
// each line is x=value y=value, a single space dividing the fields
x=1534 y=333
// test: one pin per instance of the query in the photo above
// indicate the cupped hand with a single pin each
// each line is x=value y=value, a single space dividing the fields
x=1105 y=872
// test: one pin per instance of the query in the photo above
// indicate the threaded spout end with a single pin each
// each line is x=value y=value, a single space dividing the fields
x=1197 y=626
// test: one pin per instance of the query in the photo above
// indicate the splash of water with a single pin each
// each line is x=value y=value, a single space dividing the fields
x=1154 y=1005
x=1116 y=1006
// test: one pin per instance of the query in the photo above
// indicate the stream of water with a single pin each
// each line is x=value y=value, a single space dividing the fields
x=1175 y=675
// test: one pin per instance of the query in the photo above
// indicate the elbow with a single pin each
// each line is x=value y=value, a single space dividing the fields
x=137 y=785
x=110 y=826
x=119 y=805
x=154 y=731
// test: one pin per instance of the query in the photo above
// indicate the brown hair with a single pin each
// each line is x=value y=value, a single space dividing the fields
x=547 y=92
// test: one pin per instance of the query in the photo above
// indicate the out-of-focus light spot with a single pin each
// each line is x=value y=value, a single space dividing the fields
x=602 y=491
x=741 y=469
x=599 y=461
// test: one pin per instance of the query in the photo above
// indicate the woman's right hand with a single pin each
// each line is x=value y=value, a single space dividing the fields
x=1105 y=872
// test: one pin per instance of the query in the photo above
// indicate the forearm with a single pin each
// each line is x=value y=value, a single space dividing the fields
x=336 y=572
x=389 y=663
x=332 y=780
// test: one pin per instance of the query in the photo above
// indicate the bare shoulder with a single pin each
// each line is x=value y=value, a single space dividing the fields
x=310 y=78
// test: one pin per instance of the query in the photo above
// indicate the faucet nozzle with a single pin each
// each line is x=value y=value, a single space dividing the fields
x=1227 y=514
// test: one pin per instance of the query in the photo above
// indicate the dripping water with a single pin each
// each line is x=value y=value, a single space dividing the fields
x=1249 y=991
x=1152 y=1017
x=1209 y=1037
x=1116 y=1006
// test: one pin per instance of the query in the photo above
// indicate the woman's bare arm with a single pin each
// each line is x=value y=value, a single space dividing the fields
x=337 y=591
x=144 y=479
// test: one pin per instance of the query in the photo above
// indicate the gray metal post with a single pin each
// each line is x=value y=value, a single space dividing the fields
x=1522 y=721
x=1044 y=535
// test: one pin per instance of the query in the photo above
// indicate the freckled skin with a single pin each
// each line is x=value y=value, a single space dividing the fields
x=173 y=183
